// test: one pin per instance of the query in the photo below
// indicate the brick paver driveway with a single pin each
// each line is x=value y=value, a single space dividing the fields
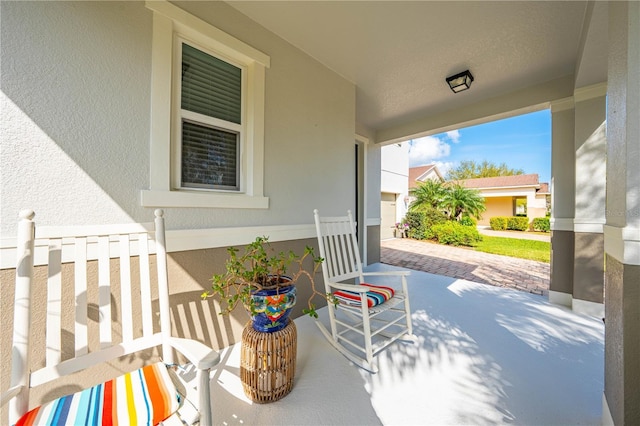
x=501 y=271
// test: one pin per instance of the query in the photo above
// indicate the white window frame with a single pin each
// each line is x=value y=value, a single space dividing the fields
x=170 y=24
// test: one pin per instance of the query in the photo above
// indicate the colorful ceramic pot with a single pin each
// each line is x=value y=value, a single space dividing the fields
x=272 y=308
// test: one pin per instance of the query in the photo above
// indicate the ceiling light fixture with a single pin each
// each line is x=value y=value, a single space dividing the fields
x=460 y=82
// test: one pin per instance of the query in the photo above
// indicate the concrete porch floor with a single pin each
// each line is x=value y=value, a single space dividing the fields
x=484 y=355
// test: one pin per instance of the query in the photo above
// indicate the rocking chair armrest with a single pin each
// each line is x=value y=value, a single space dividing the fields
x=356 y=288
x=401 y=274
x=7 y=395
x=199 y=354
x=388 y=273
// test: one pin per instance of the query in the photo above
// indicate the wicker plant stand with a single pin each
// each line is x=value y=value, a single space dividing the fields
x=268 y=363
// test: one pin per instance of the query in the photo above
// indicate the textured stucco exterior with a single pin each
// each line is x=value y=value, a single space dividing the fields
x=622 y=229
x=622 y=346
x=76 y=92
x=588 y=269
x=496 y=206
x=562 y=252
x=75 y=144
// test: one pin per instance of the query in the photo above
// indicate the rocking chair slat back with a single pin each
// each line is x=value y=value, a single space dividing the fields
x=102 y=249
x=84 y=323
x=125 y=288
x=54 y=305
x=339 y=248
x=80 y=277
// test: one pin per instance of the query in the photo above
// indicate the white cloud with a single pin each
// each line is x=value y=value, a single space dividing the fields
x=426 y=150
x=444 y=167
x=454 y=135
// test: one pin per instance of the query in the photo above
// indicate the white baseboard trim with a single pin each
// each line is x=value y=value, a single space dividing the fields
x=588 y=308
x=559 y=298
x=607 y=418
x=577 y=305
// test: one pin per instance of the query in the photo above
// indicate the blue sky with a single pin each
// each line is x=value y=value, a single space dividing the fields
x=522 y=142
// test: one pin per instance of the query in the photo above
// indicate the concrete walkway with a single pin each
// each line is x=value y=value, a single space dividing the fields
x=456 y=262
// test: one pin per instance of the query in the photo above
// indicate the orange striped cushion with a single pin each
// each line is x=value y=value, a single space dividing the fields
x=375 y=296
x=143 y=397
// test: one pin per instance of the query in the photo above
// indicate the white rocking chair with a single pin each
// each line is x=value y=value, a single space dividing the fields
x=149 y=395
x=368 y=318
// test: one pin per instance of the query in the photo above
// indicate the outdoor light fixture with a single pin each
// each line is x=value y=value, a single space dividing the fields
x=460 y=82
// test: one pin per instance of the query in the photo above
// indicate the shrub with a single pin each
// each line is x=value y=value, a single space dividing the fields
x=415 y=220
x=518 y=223
x=498 y=223
x=421 y=222
x=455 y=234
x=541 y=224
x=468 y=221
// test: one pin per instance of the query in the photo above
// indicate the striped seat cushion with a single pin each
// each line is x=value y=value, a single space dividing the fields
x=143 y=397
x=375 y=296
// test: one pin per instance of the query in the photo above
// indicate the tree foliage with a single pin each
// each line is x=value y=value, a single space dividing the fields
x=458 y=200
x=470 y=169
x=452 y=198
x=428 y=194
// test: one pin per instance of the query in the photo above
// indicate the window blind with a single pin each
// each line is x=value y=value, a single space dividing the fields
x=210 y=86
x=209 y=157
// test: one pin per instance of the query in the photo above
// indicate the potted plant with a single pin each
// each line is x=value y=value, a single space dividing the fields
x=263 y=281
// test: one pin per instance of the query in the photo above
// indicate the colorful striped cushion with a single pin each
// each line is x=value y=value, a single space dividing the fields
x=143 y=397
x=375 y=296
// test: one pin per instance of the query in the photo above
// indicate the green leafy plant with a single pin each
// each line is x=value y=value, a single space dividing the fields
x=498 y=223
x=468 y=221
x=518 y=223
x=541 y=224
x=420 y=222
x=261 y=268
x=456 y=234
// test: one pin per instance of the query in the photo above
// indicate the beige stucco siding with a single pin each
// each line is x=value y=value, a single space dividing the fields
x=77 y=88
x=76 y=101
x=496 y=206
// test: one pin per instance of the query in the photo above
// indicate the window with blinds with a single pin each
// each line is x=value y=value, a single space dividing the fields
x=211 y=110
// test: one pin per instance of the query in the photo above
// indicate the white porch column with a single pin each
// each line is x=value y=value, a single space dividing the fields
x=562 y=201
x=622 y=230
x=590 y=199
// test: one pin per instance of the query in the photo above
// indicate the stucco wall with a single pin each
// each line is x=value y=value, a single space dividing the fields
x=76 y=104
x=75 y=137
x=496 y=206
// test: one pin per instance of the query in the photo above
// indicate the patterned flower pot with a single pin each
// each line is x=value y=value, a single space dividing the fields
x=272 y=308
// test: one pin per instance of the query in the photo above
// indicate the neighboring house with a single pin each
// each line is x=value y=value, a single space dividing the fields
x=424 y=173
x=420 y=174
x=503 y=194
x=94 y=130
x=394 y=176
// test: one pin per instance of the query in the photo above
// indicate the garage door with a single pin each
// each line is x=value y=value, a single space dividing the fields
x=388 y=215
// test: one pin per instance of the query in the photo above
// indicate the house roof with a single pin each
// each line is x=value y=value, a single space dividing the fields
x=502 y=181
x=544 y=188
x=420 y=173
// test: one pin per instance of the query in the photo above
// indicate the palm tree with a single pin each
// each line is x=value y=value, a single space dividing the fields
x=427 y=194
x=458 y=200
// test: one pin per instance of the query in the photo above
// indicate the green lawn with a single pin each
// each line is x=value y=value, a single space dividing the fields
x=524 y=249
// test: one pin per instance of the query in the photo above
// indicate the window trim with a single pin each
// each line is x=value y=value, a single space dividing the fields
x=170 y=22
x=181 y=115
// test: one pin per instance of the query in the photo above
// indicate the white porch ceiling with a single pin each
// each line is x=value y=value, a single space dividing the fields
x=398 y=53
